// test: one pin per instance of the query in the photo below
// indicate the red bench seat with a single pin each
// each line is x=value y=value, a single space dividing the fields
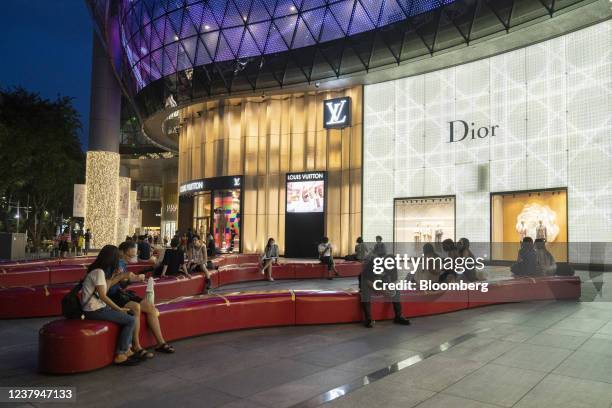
x=70 y=346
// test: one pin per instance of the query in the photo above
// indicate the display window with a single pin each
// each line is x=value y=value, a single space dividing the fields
x=226 y=205
x=213 y=206
x=423 y=219
x=536 y=214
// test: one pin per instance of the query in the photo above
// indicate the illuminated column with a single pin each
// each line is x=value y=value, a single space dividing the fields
x=102 y=167
x=133 y=211
x=123 y=211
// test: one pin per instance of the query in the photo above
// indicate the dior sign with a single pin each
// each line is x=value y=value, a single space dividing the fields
x=460 y=130
x=337 y=113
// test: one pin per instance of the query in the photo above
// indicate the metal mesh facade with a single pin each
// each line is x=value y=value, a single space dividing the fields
x=173 y=52
x=163 y=37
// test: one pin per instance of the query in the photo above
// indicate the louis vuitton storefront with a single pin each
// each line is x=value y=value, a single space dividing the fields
x=235 y=156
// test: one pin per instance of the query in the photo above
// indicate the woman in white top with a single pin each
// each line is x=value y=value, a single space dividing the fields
x=97 y=306
x=198 y=259
x=269 y=256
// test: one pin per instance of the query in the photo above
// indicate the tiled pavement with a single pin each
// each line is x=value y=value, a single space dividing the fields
x=536 y=354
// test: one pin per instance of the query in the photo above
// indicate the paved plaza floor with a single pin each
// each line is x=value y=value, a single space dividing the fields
x=534 y=354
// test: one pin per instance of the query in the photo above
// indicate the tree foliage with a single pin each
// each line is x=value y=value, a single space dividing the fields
x=40 y=156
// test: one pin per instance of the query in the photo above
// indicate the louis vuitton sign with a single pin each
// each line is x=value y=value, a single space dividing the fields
x=337 y=113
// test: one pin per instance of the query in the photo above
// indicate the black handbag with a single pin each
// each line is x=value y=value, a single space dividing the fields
x=71 y=304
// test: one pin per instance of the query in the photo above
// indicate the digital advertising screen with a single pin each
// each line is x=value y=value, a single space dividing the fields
x=306 y=193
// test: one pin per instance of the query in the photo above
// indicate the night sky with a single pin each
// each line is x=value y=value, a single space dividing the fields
x=45 y=47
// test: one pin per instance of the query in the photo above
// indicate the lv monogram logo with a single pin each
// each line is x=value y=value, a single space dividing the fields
x=337 y=113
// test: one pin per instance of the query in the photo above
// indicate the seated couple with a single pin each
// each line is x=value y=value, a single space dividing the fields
x=361 y=250
x=434 y=267
x=173 y=261
x=534 y=259
x=105 y=297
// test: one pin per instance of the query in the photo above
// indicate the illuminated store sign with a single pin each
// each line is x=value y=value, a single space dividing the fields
x=192 y=186
x=306 y=176
x=337 y=113
x=460 y=130
x=214 y=183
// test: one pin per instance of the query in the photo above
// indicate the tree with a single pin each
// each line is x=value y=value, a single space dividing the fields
x=40 y=156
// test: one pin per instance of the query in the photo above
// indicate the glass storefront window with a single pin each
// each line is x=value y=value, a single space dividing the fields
x=227 y=219
x=536 y=214
x=201 y=213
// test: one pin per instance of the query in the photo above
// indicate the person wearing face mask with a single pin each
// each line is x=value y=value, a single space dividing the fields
x=269 y=257
x=123 y=297
x=97 y=305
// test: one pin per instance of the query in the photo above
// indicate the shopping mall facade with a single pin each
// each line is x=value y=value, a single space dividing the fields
x=414 y=120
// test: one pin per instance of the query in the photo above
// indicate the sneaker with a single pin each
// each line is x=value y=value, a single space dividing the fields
x=401 y=320
x=369 y=323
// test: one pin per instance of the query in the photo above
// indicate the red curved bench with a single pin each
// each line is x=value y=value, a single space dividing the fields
x=61 y=340
x=45 y=300
x=48 y=275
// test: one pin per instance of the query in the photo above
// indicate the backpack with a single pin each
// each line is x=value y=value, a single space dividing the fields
x=71 y=304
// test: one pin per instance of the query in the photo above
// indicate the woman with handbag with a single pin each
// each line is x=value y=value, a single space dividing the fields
x=96 y=304
x=127 y=298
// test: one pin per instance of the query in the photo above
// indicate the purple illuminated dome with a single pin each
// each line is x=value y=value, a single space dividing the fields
x=160 y=37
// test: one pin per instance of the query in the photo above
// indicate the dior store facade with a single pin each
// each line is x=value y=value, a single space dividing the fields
x=514 y=145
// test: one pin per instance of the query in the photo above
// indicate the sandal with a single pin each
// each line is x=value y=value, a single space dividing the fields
x=143 y=354
x=130 y=361
x=165 y=348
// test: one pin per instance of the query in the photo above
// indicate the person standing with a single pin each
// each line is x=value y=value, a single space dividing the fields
x=87 y=237
x=367 y=290
x=326 y=256
x=64 y=243
x=80 y=244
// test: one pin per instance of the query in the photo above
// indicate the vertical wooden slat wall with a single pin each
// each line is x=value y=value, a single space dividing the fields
x=263 y=139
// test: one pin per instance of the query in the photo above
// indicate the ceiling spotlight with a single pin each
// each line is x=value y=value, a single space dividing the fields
x=317 y=84
x=206 y=27
x=292 y=8
x=176 y=38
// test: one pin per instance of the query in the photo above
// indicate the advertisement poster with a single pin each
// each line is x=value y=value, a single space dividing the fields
x=79 y=200
x=306 y=193
x=124 y=198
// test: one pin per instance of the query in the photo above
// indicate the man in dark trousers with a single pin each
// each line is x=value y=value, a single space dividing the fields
x=366 y=287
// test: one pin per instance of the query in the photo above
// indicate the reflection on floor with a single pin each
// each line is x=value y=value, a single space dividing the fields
x=535 y=354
